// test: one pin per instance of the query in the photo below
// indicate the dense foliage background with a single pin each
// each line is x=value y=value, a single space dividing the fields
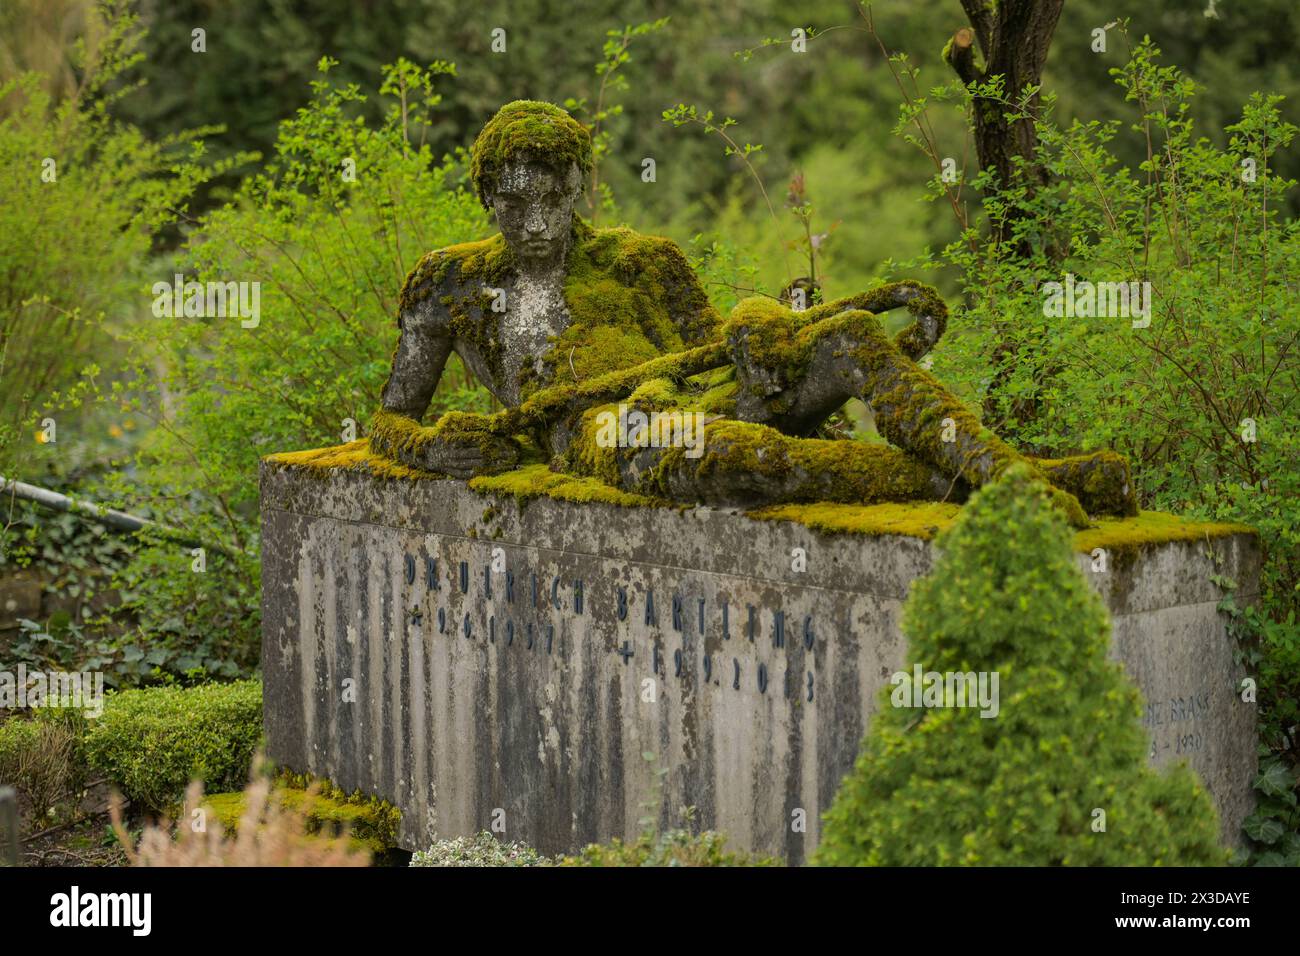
x=229 y=164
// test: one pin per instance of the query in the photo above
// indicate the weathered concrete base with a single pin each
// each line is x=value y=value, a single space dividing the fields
x=399 y=660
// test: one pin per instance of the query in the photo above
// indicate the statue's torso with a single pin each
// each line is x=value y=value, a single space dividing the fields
x=535 y=314
x=622 y=299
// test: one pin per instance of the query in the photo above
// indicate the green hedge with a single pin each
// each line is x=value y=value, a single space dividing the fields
x=150 y=743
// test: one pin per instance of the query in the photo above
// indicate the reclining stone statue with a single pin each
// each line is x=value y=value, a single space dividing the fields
x=560 y=321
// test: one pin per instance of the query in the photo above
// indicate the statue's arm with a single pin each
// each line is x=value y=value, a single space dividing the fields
x=929 y=313
x=458 y=444
x=423 y=346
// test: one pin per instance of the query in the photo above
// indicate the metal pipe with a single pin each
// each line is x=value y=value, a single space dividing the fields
x=119 y=520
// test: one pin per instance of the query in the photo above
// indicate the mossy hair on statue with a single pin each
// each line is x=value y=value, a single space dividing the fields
x=527 y=129
x=1060 y=775
x=558 y=319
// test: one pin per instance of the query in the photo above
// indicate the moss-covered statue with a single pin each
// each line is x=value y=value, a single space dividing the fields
x=569 y=326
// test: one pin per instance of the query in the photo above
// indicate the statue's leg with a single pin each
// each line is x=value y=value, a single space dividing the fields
x=791 y=377
x=1101 y=481
x=743 y=464
x=772 y=349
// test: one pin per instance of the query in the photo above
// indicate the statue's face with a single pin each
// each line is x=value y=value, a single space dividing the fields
x=534 y=210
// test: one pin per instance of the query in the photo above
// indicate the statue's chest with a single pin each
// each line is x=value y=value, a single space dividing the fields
x=535 y=313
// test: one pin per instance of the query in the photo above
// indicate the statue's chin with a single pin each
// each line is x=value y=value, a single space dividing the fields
x=534 y=262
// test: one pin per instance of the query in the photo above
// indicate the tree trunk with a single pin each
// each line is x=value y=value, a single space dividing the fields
x=1014 y=37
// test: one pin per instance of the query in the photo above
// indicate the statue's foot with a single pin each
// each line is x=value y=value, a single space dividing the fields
x=1101 y=481
x=1068 y=505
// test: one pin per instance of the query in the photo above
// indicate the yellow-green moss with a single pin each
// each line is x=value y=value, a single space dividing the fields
x=392 y=432
x=772 y=335
x=717 y=394
x=538 y=481
x=1101 y=481
x=527 y=129
x=822 y=470
x=483 y=262
x=918 y=519
x=354 y=456
x=1151 y=527
x=569 y=399
x=631 y=299
x=924 y=519
x=367 y=821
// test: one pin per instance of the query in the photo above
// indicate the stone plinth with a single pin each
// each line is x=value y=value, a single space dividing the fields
x=472 y=659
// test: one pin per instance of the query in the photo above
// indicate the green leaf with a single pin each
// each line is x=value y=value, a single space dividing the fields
x=1275 y=780
x=1263 y=829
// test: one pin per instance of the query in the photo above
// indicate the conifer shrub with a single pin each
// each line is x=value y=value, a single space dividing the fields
x=1059 y=776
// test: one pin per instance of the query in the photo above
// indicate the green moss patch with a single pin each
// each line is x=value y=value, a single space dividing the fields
x=925 y=519
x=527 y=128
x=369 y=823
x=354 y=456
x=1151 y=527
x=537 y=481
x=920 y=519
x=150 y=743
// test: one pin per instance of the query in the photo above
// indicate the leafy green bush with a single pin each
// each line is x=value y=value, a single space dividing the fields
x=670 y=848
x=84 y=197
x=482 y=849
x=331 y=227
x=16 y=736
x=1273 y=829
x=1201 y=399
x=945 y=786
x=152 y=742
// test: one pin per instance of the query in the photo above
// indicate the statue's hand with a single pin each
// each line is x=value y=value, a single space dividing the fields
x=464 y=445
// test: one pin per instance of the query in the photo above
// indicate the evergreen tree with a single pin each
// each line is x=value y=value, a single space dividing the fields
x=945 y=786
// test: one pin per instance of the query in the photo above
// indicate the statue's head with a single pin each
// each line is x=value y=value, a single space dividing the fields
x=527 y=166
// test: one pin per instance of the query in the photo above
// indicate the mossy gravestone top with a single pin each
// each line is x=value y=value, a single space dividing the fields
x=524 y=653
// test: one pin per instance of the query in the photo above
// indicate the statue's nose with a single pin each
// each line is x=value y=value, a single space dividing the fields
x=535 y=222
